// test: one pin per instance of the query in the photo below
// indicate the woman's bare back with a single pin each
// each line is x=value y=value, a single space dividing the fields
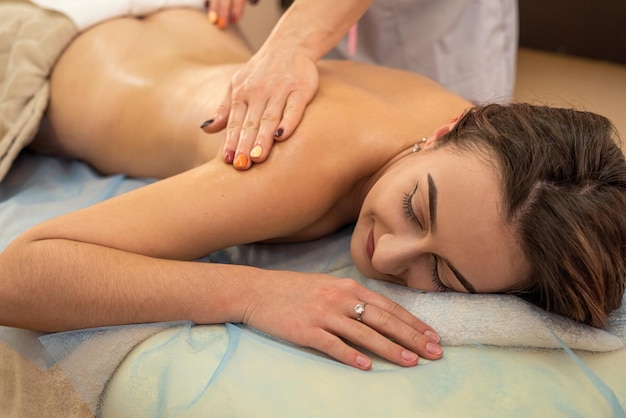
x=130 y=94
x=147 y=85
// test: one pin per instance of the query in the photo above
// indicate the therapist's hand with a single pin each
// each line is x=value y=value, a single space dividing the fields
x=224 y=12
x=265 y=103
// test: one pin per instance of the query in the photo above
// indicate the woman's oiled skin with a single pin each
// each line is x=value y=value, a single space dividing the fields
x=144 y=86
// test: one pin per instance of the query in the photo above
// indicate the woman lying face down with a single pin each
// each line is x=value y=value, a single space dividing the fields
x=508 y=199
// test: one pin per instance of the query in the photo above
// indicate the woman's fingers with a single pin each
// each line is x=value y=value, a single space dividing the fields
x=337 y=348
x=391 y=337
x=337 y=317
x=405 y=351
x=381 y=326
x=385 y=328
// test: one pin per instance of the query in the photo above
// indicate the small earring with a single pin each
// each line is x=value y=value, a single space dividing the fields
x=417 y=146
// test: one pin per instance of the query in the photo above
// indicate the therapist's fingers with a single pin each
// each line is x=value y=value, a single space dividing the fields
x=269 y=128
x=292 y=114
x=280 y=118
x=236 y=117
x=248 y=135
x=285 y=109
x=224 y=12
x=236 y=10
x=219 y=13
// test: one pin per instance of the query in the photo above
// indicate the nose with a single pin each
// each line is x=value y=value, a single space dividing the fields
x=396 y=254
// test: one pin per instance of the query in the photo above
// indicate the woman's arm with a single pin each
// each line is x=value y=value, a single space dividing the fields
x=110 y=287
x=119 y=262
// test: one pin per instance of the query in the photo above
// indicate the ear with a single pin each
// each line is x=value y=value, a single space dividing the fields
x=442 y=130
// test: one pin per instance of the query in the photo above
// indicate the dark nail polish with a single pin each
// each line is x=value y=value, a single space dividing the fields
x=253 y=1
x=207 y=123
x=279 y=132
x=229 y=157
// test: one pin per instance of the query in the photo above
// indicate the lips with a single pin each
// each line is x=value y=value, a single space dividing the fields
x=370 y=244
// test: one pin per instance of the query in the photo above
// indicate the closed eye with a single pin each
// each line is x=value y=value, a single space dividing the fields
x=407 y=204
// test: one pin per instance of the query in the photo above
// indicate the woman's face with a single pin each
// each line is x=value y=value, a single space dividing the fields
x=432 y=222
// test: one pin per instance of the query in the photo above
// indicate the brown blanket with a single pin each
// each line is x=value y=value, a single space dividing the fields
x=31 y=40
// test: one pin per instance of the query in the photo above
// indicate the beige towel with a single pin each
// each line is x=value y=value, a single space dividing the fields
x=28 y=391
x=31 y=40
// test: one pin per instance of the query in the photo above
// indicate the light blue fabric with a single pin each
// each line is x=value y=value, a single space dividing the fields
x=38 y=188
x=231 y=371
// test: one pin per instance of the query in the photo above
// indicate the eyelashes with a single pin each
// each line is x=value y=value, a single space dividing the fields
x=434 y=265
x=435 y=276
x=408 y=207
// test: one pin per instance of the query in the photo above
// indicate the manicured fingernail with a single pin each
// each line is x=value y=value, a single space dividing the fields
x=207 y=123
x=363 y=361
x=207 y=4
x=229 y=157
x=409 y=355
x=212 y=17
x=433 y=348
x=279 y=133
x=432 y=336
x=256 y=151
x=241 y=161
x=254 y=1
x=221 y=23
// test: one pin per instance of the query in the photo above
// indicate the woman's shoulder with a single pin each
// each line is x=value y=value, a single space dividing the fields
x=386 y=100
x=363 y=115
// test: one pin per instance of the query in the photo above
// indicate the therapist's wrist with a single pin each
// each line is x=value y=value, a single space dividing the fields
x=289 y=49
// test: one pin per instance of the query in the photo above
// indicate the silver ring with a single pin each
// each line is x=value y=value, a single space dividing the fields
x=359 y=308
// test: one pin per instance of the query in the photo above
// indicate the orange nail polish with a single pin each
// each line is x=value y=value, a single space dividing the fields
x=241 y=161
x=221 y=23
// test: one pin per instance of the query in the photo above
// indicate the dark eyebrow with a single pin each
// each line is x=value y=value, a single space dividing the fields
x=432 y=202
x=432 y=210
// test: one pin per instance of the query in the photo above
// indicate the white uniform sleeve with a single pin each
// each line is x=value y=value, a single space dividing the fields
x=86 y=13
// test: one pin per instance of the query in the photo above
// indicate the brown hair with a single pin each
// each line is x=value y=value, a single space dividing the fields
x=564 y=193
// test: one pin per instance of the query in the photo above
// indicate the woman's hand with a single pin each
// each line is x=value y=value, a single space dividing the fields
x=224 y=12
x=265 y=103
x=318 y=311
